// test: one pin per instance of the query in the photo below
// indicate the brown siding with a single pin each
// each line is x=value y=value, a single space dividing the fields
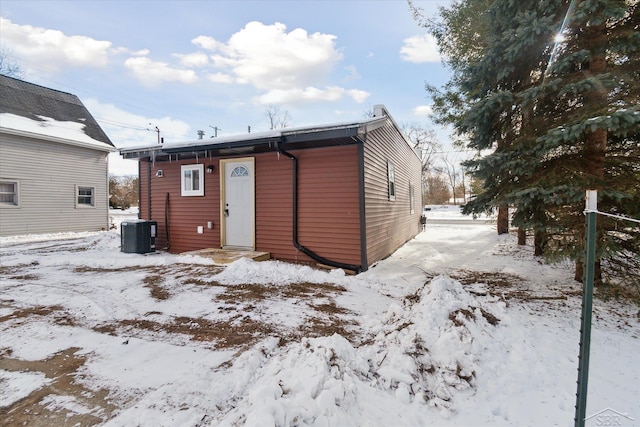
x=328 y=216
x=185 y=213
x=328 y=213
x=389 y=224
x=274 y=217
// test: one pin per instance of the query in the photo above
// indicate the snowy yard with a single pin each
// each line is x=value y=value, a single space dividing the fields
x=460 y=327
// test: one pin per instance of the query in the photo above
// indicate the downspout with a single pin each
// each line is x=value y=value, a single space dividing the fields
x=149 y=189
x=166 y=222
x=306 y=251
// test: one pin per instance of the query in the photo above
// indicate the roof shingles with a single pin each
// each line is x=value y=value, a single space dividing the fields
x=33 y=101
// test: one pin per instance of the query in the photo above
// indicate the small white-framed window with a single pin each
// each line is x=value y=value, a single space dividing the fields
x=412 y=202
x=391 y=178
x=85 y=196
x=9 y=193
x=192 y=180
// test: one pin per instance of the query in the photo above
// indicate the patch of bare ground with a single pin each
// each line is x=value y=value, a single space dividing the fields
x=509 y=286
x=324 y=327
x=241 y=331
x=38 y=409
x=458 y=316
x=59 y=315
x=154 y=283
x=9 y=270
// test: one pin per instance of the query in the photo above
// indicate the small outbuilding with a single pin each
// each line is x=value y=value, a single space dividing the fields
x=53 y=162
x=344 y=195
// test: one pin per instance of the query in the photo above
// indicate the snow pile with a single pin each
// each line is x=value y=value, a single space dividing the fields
x=314 y=382
x=421 y=355
x=247 y=271
x=427 y=352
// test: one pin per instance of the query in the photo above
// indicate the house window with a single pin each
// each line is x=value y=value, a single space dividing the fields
x=391 y=177
x=412 y=204
x=192 y=180
x=9 y=193
x=85 y=196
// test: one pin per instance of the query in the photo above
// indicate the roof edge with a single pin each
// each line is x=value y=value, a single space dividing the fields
x=105 y=147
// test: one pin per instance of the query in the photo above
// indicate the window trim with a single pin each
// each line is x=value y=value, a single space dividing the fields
x=391 y=181
x=199 y=167
x=16 y=194
x=78 y=195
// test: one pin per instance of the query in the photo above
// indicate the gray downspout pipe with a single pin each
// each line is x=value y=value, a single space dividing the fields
x=306 y=251
x=148 y=190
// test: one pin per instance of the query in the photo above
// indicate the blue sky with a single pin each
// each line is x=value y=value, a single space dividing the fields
x=194 y=65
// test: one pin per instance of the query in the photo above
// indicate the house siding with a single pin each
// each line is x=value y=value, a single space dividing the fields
x=328 y=204
x=389 y=224
x=185 y=214
x=48 y=173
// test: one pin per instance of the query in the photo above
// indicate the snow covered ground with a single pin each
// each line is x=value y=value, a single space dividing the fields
x=460 y=327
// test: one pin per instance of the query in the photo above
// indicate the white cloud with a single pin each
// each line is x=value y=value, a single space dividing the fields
x=358 y=95
x=268 y=57
x=423 y=110
x=124 y=50
x=309 y=94
x=353 y=73
x=420 y=49
x=196 y=59
x=153 y=73
x=206 y=42
x=220 y=78
x=52 y=50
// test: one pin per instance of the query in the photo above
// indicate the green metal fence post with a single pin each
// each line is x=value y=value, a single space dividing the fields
x=587 y=305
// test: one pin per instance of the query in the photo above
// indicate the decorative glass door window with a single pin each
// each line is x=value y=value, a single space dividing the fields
x=239 y=171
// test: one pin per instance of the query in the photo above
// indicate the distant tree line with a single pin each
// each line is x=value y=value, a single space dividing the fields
x=123 y=191
x=548 y=95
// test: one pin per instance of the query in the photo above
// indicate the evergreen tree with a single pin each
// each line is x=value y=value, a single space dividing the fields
x=559 y=118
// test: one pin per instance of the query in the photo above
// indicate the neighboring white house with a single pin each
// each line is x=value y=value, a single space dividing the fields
x=53 y=162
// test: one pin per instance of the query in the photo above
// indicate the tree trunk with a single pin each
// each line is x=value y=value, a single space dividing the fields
x=579 y=271
x=522 y=236
x=597 y=273
x=595 y=145
x=503 y=219
x=539 y=242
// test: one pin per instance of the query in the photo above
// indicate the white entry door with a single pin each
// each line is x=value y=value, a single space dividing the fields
x=237 y=203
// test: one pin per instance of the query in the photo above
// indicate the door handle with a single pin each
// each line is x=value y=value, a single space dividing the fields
x=226 y=212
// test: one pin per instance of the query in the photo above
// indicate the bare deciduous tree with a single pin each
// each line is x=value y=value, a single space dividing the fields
x=425 y=143
x=8 y=66
x=452 y=170
x=278 y=119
